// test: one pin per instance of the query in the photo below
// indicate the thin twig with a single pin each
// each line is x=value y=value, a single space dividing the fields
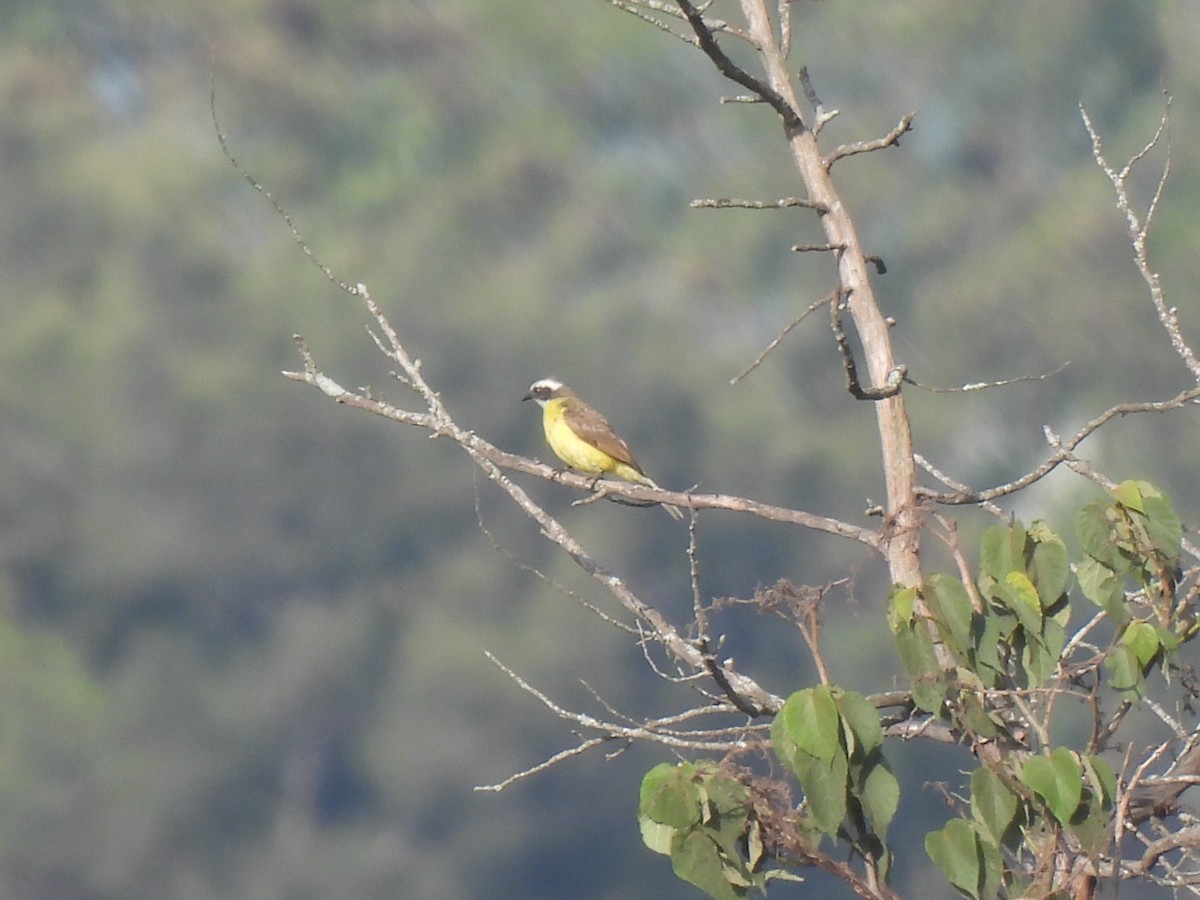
x=778 y=339
x=820 y=115
x=956 y=485
x=949 y=537
x=891 y=139
x=986 y=385
x=733 y=203
x=548 y=763
x=890 y=388
x=698 y=614
x=1064 y=452
x=784 y=12
x=254 y=183
x=634 y=9
x=608 y=731
x=1138 y=230
x=1187 y=838
x=542 y=576
x=818 y=248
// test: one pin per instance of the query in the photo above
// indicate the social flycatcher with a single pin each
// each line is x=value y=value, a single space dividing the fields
x=583 y=439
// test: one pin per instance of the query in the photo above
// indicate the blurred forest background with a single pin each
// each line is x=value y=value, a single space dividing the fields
x=243 y=628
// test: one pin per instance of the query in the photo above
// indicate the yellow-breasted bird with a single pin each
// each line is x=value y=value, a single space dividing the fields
x=583 y=439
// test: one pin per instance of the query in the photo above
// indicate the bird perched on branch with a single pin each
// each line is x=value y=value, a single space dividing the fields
x=583 y=439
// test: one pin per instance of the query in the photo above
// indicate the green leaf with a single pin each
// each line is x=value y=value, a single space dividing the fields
x=1168 y=640
x=1039 y=657
x=1129 y=493
x=993 y=805
x=1093 y=528
x=756 y=851
x=1101 y=778
x=914 y=645
x=988 y=646
x=1050 y=567
x=658 y=837
x=900 y=606
x=1101 y=585
x=1038 y=665
x=993 y=870
x=809 y=722
x=970 y=865
x=1019 y=595
x=725 y=793
x=698 y=815
x=1054 y=639
x=729 y=835
x=1091 y=825
x=880 y=797
x=1163 y=526
x=697 y=861
x=1057 y=779
x=825 y=786
x=1142 y=639
x=1001 y=550
x=976 y=716
x=670 y=797
x=1125 y=675
x=862 y=719
x=826 y=794
x=1059 y=610
x=929 y=693
x=950 y=606
x=1092 y=822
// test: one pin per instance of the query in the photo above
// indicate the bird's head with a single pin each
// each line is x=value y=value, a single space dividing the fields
x=544 y=389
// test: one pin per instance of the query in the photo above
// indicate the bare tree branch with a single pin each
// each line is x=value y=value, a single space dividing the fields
x=783 y=203
x=726 y=66
x=985 y=385
x=637 y=9
x=254 y=183
x=720 y=740
x=1064 y=452
x=818 y=248
x=1138 y=229
x=442 y=426
x=821 y=116
x=891 y=139
x=889 y=388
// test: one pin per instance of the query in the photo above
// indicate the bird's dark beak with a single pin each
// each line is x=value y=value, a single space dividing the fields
x=527 y=397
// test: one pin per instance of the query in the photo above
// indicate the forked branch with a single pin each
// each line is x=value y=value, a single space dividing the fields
x=1139 y=227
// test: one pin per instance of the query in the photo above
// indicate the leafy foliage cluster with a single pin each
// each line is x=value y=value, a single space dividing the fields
x=1033 y=798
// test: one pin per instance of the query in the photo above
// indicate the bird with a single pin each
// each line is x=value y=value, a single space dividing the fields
x=583 y=439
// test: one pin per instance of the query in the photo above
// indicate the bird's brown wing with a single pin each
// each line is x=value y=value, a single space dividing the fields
x=592 y=427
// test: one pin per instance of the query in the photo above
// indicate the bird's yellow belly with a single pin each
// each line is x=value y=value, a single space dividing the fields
x=574 y=452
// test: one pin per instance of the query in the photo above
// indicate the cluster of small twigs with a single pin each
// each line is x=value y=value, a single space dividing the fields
x=1063 y=451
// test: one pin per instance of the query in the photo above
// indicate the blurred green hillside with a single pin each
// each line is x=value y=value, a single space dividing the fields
x=243 y=628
